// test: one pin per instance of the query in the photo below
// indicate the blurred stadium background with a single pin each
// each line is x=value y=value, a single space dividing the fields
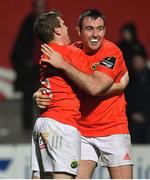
x=14 y=140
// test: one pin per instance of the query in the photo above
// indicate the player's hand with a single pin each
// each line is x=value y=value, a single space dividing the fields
x=124 y=80
x=42 y=97
x=54 y=58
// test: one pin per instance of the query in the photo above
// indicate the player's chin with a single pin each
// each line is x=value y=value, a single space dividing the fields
x=94 y=47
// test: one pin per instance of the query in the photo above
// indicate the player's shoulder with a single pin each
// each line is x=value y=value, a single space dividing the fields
x=74 y=48
x=110 y=46
x=77 y=44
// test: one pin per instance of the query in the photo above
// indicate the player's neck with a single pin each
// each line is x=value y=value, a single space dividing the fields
x=58 y=42
x=61 y=41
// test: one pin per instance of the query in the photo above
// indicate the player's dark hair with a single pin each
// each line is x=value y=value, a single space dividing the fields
x=45 y=24
x=92 y=13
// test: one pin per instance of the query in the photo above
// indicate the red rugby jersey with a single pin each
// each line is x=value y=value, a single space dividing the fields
x=103 y=116
x=65 y=105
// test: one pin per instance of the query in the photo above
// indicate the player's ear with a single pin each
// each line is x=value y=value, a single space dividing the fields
x=78 y=30
x=57 y=30
x=105 y=28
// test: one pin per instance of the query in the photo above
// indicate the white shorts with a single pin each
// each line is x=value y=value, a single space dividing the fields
x=56 y=147
x=110 y=151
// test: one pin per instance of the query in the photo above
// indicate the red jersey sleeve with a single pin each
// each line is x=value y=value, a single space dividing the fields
x=110 y=63
x=79 y=59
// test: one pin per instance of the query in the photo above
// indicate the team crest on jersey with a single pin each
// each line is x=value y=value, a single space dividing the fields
x=94 y=66
x=108 y=62
x=74 y=164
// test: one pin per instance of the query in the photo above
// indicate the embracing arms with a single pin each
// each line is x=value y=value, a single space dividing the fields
x=95 y=84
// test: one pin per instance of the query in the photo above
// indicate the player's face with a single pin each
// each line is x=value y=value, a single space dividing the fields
x=92 y=34
x=64 y=32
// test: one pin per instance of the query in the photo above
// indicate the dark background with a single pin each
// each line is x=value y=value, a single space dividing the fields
x=117 y=12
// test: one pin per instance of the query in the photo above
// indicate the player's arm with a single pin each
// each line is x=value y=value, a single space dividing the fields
x=95 y=84
x=43 y=100
x=117 y=88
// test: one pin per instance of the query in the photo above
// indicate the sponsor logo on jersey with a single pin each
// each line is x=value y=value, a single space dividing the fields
x=108 y=62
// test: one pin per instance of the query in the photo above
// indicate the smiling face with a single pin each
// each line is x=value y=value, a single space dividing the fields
x=92 y=34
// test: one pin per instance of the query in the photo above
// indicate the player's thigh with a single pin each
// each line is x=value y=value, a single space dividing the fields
x=64 y=146
x=86 y=169
x=121 y=172
x=89 y=158
x=42 y=175
x=51 y=175
x=35 y=151
x=63 y=176
x=116 y=155
x=62 y=150
x=115 y=150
